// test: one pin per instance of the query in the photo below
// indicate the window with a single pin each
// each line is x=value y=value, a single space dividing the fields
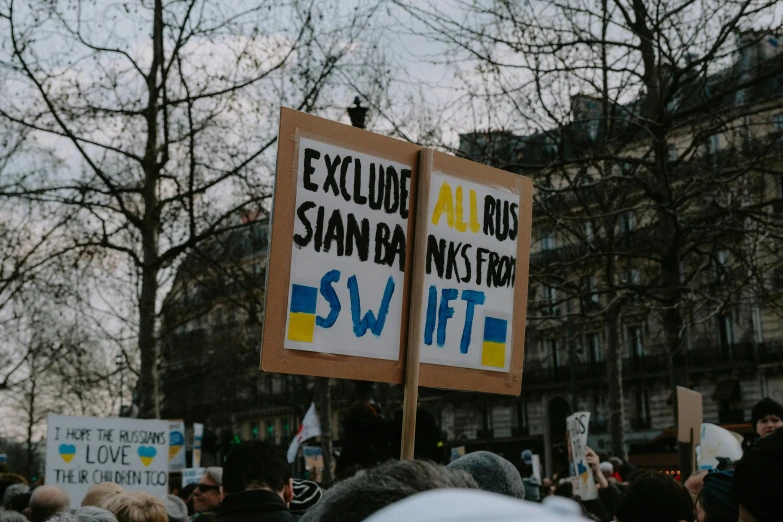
x=728 y=395
x=286 y=427
x=713 y=144
x=720 y=265
x=589 y=233
x=555 y=356
x=726 y=331
x=671 y=153
x=550 y=298
x=520 y=421
x=254 y=431
x=590 y=291
x=592 y=129
x=632 y=276
x=548 y=241
x=641 y=418
x=502 y=421
x=635 y=341
x=270 y=430
x=778 y=119
x=628 y=222
x=593 y=343
x=598 y=419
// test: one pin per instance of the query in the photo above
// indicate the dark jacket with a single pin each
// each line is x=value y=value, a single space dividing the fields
x=256 y=505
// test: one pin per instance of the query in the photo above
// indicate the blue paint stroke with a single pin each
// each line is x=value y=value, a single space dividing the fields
x=361 y=325
x=495 y=330
x=473 y=298
x=429 y=325
x=330 y=295
x=445 y=312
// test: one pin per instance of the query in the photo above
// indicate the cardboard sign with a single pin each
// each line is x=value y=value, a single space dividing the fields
x=314 y=461
x=177 y=446
x=198 y=436
x=341 y=268
x=584 y=483
x=717 y=442
x=83 y=451
x=474 y=300
x=191 y=475
x=336 y=281
x=690 y=413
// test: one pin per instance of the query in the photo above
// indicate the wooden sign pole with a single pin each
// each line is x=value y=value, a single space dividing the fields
x=411 y=400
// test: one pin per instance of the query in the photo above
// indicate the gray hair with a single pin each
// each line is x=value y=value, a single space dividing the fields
x=358 y=497
x=492 y=472
x=215 y=474
x=84 y=514
x=46 y=501
x=12 y=492
x=11 y=516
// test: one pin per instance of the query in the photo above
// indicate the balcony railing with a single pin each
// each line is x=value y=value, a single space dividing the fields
x=700 y=358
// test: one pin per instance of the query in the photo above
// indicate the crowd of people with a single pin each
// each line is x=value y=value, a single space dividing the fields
x=255 y=484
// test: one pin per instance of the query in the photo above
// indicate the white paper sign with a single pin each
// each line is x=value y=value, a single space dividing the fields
x=536 y=463
x=82 y=451
x=468 y=301
x=584 y=484
x=348 y=254
x=191 y=476
x=198 y=435
x=717 y=442
x=177 y=446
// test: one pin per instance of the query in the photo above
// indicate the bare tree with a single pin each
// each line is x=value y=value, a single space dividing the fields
x=165 y=117
x=672 y=138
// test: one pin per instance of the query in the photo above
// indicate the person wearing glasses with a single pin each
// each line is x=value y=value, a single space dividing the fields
x=206 y=496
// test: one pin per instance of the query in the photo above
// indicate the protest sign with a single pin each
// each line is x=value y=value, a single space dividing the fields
x=191 y=475
x=690 y=413
x=536 y=464
x=314 y=461
x=177 y=446
x=584 y=485
x=476 y=246
x=457 y=452
x=198 y=436
x=717 y=442
x=336 y=278
x=83 y=451
x=310 y=427
x=3 y=458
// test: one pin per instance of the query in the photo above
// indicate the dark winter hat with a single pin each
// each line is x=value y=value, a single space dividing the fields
x=716 y=497
x=764 y=407
x=492 y=473
x=306 y=495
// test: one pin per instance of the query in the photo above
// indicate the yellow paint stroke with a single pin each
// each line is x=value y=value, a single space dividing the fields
x=67 y=457
x=445 y=204
x=460 y=225
x=173 y=450
x=493 y=354
x=474 y=224
x=301 y=327
x=146 y=461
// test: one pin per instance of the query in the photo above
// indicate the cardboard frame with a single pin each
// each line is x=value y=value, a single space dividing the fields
x=274 y=357
x=469 y=379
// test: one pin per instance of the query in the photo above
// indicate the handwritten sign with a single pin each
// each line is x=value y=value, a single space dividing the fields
x=191 y=475
x=468 y=306
x=584 y=484
x=177 y=446
x=348 y=257
x=82 y=451
x=198 y=436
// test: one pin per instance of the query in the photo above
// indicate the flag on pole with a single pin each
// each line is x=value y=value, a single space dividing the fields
x=311 y=427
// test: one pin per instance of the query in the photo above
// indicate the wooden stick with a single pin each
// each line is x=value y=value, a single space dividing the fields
x=414 y=309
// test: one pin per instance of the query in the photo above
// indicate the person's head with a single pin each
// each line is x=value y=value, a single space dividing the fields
x=175 y=508
x=99 y=493
x=715 y=502
x=758 y=479
x=492 y=473
x=617 y=463
x=766 y=416
x=607 y=468
x=306 y=495
x=654 y=497
x=175 y=482
x=257 y=465
x=46 y=501
x=206 y=496
x=695 y=482
x=358 y=497
x=7 y=515
x=564 y=489
x=16 y=497
x=84 y=514
x=136 y=506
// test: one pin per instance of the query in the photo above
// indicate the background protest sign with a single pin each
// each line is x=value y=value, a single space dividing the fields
x=584 y=484
x=82 y=451
x=177 y=446
x=717 y=442
x=476 y=250
x=191 y=475
x=198 y=436
x=338 y=257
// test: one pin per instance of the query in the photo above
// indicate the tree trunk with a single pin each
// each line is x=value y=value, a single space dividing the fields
x=324 y=389
x=148 y=346
x=614 y=374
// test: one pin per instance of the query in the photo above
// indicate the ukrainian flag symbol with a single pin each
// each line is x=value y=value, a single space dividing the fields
x=493 y=351
x=301 y=319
